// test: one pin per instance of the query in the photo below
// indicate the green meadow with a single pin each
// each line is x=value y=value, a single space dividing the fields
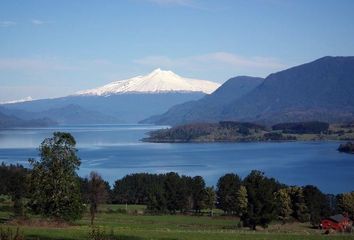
x=130 y=223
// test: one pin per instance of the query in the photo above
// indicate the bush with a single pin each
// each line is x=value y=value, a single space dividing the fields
x=9 y=234
x=98 y=233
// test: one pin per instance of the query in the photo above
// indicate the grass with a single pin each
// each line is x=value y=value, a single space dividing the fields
x=134 y=226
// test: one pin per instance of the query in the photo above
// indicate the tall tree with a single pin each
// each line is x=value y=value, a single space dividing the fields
x=227 y=188
x=171 y=186
x=14 y=183
x=261 y=204
x=300 y=211
x=54 y=185
x=198 y=193
x=242 y=201
x=317 y=204
x=210 y=199
x=346 y=203
x=284 y=206
x=156 y=201
x=97 y=193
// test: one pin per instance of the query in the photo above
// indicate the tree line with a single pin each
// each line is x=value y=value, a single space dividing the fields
x=53 y=189
x=256 y=199
x=236 y=132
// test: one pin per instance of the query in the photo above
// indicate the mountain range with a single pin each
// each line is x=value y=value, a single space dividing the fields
x=124 y=101
x=321 y=90
x=10 y=121
x=206 y=108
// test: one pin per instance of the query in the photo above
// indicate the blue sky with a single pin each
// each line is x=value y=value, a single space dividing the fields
x=55 y=48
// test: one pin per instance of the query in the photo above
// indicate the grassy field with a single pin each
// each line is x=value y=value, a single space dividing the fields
x=133 y=226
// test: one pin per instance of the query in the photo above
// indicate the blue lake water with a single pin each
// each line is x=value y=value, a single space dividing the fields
x=115 y=150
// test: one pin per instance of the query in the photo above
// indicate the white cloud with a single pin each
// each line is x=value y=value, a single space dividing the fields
x=216 y=62
x=7 y=23
x=37 y=22
x=239 y=61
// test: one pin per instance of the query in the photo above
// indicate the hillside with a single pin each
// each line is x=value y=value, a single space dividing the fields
x=9 y=121
x=321 y=90
x=207 y=108
x=74 y=114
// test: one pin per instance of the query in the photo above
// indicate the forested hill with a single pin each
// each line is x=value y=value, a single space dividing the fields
x=8 y=121
x=322 y=90
x=229 y=131
x=209 y=106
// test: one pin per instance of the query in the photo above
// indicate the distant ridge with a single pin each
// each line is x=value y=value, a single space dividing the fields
x=207 y=108
x=10 y=121
x=126 y=101
x=322 y=90
x=158 y=81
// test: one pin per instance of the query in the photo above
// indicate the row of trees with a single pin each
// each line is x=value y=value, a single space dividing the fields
x=53 y=189
x=164 y=192
x=256 y=199
x=314 y=127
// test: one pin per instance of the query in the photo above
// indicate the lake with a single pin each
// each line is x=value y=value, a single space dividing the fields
x=115 y=150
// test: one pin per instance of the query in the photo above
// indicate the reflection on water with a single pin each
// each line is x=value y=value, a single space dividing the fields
x=115 y=150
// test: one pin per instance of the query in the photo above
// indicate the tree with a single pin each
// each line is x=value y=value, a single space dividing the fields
x=97 y=193
x=54 y=185
x=242 y=201
x=14 y=183
x=317 y=204
x=156 y=199
x=283 y=204
x=18 y=189
x=198 y=193
x=346 y=203
x=210 y=199
x=300 y=211
x=137 y=188
x=171 y=187
x=261 y=204
x=227 y=188
x=184 y=194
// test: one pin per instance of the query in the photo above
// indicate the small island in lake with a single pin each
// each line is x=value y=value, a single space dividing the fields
x=347 y=147
x=229 y=131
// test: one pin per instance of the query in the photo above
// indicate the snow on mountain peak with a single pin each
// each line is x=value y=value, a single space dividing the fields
x=26 y=99
x=158 y=81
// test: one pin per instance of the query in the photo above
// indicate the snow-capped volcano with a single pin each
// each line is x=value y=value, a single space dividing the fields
x=158 y=81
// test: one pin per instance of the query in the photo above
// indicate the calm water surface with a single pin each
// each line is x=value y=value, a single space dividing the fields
x=115 y=150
